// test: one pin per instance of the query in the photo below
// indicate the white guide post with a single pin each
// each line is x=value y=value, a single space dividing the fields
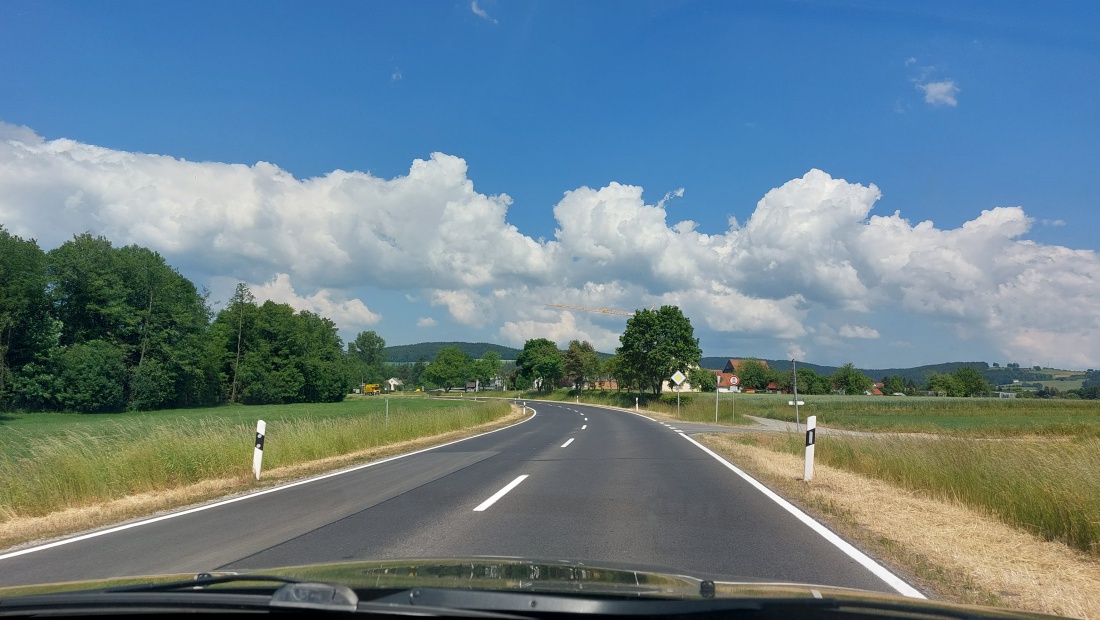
x=811 y=431
x=258 y=454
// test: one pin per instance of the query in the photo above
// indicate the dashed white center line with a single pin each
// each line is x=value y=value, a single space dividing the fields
x=501 y=493
x=568 y=442
x=584 y=427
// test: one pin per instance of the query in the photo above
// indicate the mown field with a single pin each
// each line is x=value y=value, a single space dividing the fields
x=52 y=461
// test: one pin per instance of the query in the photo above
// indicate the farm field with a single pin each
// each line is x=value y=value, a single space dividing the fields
x=969 y=417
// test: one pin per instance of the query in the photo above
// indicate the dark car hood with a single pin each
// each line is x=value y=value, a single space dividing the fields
x=504 y=574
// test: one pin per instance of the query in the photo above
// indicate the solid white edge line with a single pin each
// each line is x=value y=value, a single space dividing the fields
x=58 y=543
x=499 y=494
x=568 y=442
x=877 y=569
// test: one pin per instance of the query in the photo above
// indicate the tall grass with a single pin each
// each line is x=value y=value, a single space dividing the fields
x=42 y=472
x=1051 y=488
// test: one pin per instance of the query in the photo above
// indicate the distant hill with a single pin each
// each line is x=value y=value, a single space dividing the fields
x=718 y=363
x=427 y=350
x=918 y=374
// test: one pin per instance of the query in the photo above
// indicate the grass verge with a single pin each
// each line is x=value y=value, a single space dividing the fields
x=68 y=481
x=1048 y=488
x=949 y=550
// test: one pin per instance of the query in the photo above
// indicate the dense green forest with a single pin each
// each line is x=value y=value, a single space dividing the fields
x=87 y=327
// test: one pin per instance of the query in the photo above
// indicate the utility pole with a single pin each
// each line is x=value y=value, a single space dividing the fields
x=716 y=384
x=794 y=382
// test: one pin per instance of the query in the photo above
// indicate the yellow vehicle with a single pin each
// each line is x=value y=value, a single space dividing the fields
x=372 y=388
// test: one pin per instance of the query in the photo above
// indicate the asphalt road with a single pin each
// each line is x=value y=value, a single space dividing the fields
x=597 y=485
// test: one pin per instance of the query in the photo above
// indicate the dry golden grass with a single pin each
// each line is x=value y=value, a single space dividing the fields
x=955 y=553
x=25 y=531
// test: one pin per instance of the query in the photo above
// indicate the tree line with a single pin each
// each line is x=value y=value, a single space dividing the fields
x=88 y=327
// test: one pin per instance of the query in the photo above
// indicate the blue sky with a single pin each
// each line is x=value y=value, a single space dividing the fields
x=121 y=118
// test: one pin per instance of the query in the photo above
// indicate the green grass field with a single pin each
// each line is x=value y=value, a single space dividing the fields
x=53 y=461
x=971 y=417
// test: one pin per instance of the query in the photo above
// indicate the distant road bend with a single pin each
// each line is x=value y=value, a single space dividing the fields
x=574 y=482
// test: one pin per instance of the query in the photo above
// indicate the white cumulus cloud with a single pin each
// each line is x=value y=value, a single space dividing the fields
x=940 y=93
x=858 y=331
x=810 y=264
x=329 y=304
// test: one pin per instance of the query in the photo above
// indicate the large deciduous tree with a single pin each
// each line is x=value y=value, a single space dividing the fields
x=754 y=374
x=540 y=363
x=851 y=381
x=656 y=344
x=970 y=382
x=487 y=368
x=169 y=321
x=450 y=368
x=368 y=358
x=580 y=363
x=703 y=379
x=278 y=355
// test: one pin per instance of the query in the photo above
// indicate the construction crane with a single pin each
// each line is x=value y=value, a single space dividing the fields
x=587 y=309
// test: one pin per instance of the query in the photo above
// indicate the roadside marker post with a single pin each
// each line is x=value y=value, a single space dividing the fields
x=258 y=453
x=811 y=432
